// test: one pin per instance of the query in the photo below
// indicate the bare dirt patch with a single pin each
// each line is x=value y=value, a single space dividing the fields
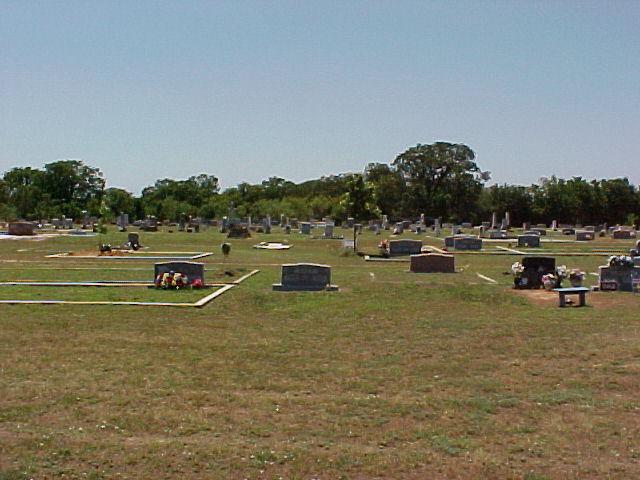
x=604 y=300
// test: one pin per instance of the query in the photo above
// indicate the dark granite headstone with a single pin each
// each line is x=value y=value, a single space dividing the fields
x=192 y=270
x=305 y=277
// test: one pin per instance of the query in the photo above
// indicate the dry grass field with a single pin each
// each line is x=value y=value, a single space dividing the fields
x=395 y=376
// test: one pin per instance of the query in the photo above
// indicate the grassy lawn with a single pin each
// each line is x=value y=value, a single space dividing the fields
x=397 y=375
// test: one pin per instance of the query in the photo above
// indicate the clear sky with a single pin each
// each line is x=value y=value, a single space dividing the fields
x=247 y=90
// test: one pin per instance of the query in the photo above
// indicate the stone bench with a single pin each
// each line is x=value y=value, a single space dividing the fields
x=563 y=292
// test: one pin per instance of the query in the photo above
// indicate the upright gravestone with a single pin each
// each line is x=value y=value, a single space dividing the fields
x=554 y=225
x=405 y=247
x=467 y=243
x=192 y=270
x=532 y=241
x=436 y=227
x=305 y=228
x=20 y=228
x=328 y=230
x=305 y=277
x=432 y=263
x=585 y=235
x=494 y=221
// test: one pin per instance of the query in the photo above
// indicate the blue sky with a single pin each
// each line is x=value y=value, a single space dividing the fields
x=247 y=90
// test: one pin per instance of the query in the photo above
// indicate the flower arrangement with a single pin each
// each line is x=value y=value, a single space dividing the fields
x=561 y=273
x=517 y=269
x=549 y=281
x=576 y=277
x=620 y=261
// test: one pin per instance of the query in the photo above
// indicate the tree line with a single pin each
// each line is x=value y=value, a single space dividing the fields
x=440 y=180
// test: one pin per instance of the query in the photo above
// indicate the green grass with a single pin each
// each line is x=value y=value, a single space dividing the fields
x=397 y=375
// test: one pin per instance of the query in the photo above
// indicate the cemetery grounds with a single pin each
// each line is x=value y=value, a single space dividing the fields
x=397 y=375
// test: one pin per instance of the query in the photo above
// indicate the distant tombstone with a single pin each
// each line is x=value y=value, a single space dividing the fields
x=305 y=277
x=349 y=223
x=623 y=234
x=494 y=221
x=305 y=228
x=328 y=230
x=376 y=229
x=266 y=224
x=405 y=247
x=192 y=270
x=295 y=223
x=287 y=229
x=504 y=224
x=554 y=225
x=532 y=241
x=358 y=227
x=385 y=222
x=467 y=243
x=540 y=231
x=436 y=226
x=568 y=231
x=432 y=263
x=133 y=239
x=584 y=235
x=398 y=228
x=422 y=218
x=507 y=219
x=466 y=225
x=590 y=228
x=238 y=231
x=406 y=224
x=526 y=226
x=249 y=221
x=497 y=234
x=486 y=225
x=20 y=228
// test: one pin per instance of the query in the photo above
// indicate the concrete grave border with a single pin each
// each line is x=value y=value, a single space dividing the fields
x=136 y=255
x=221 y=288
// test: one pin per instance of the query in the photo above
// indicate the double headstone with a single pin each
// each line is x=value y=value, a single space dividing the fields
x=193 y=270
x=432 y=263
x=405 y=247
x=305 y=277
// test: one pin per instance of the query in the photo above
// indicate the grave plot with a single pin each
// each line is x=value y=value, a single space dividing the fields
x=114 y=292
x=131 y=255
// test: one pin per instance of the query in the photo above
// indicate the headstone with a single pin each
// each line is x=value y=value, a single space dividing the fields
x=133 y=239
x=436 y=227
x=584 y=235
x=494 y=221
x=305 y=277
x=328 y=230
x=192 y=270
x=305 y=228
x=532 y=241
x=540 y=231
x=385 y=222
x=568 y=231
x=526 y=226
x=554 y=225
x=349 y=223
x=623 y=234
x=405 y=247
x=497 y=234
x=467 y=243
x=618 y=278
x=507 y=219
x=20 y=228
x=432 y=263
x=266 y=224
x=534 y=269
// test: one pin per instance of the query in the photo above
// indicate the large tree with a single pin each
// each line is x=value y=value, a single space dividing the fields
x=442 y=179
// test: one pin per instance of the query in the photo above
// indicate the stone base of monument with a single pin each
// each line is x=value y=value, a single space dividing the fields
x=432 y=263
x=305 y=277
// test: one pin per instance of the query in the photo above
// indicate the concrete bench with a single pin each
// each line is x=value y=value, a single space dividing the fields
x=580 y=291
